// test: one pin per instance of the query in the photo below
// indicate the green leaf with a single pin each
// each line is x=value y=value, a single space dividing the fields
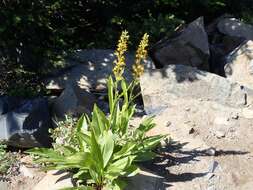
x=152 y=142
x=82 y=124
x=145 y=156
x=99 y=121
x=124 y=88
x=110 y=93
x=96 y=153
x=125 y=150
x=116 y=168
x=108 y=146
x=131 y=171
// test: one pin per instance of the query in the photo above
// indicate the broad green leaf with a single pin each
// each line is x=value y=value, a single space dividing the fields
x=125 y=150
x=82 y=124
x=119 y=166
x=96 y=153
x=108 y=146
x=99 y=121
x=152 y=142
x=145 y=156
x=131 y=171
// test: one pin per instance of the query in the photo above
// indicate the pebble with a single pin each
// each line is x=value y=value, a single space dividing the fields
x=220 y=134
x=191 y=131
x=211 y=151
x=168 y=123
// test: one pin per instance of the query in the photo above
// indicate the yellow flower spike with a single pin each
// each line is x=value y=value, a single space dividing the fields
x=141 y=54
x=119 y=67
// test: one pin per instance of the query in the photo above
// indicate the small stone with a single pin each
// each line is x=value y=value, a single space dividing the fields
x=187 y=109
x=211 y=151
x=220 y=134
x=191 y=131
x=213 y=166
x=235 y=116
x=168 y=123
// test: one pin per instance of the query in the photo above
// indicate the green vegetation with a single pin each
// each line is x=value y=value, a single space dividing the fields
x=36 y=35
x=6 y=160
x=104 y=150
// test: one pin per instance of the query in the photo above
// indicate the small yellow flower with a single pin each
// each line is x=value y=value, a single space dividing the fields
x=141 y=54
x=119 y=67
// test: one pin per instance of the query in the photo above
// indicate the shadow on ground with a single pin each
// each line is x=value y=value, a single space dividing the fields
x=174 y=154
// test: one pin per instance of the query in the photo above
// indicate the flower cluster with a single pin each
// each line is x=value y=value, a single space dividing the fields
x=118 y=69
x=141 y=54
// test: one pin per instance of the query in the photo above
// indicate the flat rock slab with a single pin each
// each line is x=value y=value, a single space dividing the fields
x=161 y=86
x=195 y=158
x=24 y=122
x=92 y=70
x=55 y=180
x=188 y=47
x=209 y=123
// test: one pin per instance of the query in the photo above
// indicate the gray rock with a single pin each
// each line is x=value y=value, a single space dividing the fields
x=26 y=124
x=212 y=100
x=55 y=180
x=92 y=70
x=239 y=64
x=213 y=167
x=236 y=28
x=3 y=185
x=146 y=181
x=161 y=87
x=189 y=47
x=73 y=101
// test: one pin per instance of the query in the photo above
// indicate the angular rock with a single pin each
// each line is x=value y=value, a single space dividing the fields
x=73 y=101
x=146 y=181
x=239 y=64
x=161 y=87
x=4 y=185
x=189 y=47
x=213 y=101
x=220 y=45
x=55 y=180
x=92 y=70
x=219 y=49
x=26 y=123
x=236 y=28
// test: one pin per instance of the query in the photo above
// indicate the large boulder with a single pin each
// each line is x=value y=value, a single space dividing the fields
x=92 y=69
x=189 y=47
x=161 y=86
x=221 y=43
x=236 y=28
x=25 y=123
x=73 y=101
x=239 y=64
x=209 y=121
